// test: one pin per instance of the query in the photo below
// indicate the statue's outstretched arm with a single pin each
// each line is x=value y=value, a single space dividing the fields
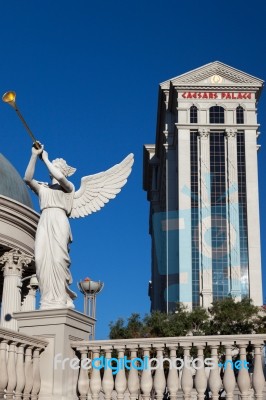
x=56 y=173
x=28 y=178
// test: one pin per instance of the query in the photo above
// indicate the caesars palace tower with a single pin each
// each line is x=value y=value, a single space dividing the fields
x=201 y=178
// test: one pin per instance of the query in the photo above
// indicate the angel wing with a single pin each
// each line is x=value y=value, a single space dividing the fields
x=96 y=190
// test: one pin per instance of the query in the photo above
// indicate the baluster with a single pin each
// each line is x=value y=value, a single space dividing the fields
x=28 y=374
x=258 y=380
x=3 y=368
x=172 y=379
x=215 y=381
x=159 y=382
x=20 y=372
x=108 y=379
x=229 y=380
x=186 y=379
x=36 y=375
x=89 y=395
x=243 y=379
x=120 y=380
x=146 y=377
x=95 y=382
x=200 y=378
x=133 y=377
x=11 y=367
x=83 y=380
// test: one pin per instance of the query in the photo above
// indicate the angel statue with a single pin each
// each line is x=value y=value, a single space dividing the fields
x=58 y=202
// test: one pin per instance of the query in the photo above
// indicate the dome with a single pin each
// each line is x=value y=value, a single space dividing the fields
x=11 y=183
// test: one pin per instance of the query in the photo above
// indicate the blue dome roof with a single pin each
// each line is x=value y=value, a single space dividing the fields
x=11 y=183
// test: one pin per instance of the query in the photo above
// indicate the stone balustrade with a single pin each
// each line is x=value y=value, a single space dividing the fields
x=20 y=365
x=228 y=379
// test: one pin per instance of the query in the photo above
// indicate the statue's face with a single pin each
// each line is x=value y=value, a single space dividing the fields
x=60 y=167
x=57 y=167
x=61 y=164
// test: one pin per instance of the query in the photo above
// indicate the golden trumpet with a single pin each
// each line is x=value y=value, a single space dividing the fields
x=10 y=98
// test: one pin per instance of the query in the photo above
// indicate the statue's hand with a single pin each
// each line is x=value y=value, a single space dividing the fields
x=44 y=155
x=37 y=152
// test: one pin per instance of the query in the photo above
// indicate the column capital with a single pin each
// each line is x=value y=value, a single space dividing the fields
x=14 y=261
x=231 y=132
x=204 y=133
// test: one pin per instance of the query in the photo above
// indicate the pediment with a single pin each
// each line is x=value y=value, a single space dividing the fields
x=213 y=74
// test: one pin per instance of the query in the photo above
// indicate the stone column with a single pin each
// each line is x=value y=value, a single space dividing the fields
x=254 y=250
x=184 y=217
x=233 y=215
x=13 y=263
x=169 y=222
x=205 y=239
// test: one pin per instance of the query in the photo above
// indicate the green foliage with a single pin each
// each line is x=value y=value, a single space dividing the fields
x=225 y=317
x=163 y=325
x=260 y=323
x=229 y=317
x=198 y=320
x=133 y=328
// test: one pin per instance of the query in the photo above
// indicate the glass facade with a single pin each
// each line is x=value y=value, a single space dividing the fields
x=218 y=216
x=198 y=176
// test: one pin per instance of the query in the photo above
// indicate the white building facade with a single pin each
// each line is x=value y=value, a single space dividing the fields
x=201 y=178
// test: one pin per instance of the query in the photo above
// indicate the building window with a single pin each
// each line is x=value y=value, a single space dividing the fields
x=193 y=115
x=216 y=115
x=219 y=217
x=239 y=115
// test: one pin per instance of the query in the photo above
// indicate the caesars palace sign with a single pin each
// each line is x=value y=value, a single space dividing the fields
x=217 y=95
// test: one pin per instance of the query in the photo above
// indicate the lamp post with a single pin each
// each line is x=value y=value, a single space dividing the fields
x=90 y=289
x=29 y=303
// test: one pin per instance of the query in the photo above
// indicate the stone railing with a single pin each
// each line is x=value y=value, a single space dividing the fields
x=20 y=365
x=194 y=380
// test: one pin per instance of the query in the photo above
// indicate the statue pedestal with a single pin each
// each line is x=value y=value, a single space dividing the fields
x=59 y=327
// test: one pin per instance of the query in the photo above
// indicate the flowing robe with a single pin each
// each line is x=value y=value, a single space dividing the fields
x=51 y=247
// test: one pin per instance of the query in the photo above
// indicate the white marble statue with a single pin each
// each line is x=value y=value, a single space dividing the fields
x=58 y=202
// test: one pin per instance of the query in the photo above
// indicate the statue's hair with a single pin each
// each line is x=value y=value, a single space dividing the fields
x=62 y=165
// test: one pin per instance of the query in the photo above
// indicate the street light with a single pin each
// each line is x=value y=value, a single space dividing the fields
x=33 y=281
x=90 y=289
x=29 y=302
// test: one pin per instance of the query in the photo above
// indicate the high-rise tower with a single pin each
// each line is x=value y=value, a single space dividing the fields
x=201 y=178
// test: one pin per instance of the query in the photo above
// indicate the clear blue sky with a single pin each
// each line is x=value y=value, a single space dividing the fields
x=86 y=76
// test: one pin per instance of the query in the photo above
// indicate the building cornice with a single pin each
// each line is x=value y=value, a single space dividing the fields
x=19 y=214
x=220 y=88
x=178 y=341
x=20 y=219
x=204 y=72
x=13 y=336
x=213 y=127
